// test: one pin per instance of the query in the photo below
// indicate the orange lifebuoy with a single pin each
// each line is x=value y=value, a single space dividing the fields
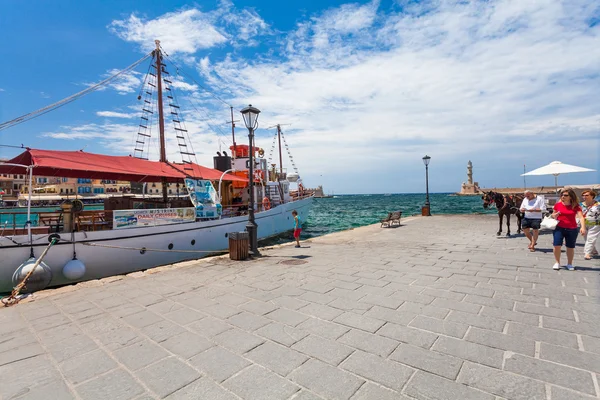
x=266 y=203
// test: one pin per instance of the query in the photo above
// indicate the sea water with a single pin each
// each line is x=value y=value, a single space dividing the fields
x=343 y=212
x=337 y=213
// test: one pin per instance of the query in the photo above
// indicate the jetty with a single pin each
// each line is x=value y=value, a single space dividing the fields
x=437 y=308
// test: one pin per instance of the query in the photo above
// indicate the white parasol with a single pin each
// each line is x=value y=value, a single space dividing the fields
x=556 y=168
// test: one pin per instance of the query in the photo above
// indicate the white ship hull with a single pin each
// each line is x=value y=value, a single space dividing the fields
x=115 y=252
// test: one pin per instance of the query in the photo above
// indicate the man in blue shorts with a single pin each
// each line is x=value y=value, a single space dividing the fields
x=532 y=206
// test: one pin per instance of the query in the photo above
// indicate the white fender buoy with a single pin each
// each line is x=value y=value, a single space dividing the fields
x=39 y=280
x=74 y=269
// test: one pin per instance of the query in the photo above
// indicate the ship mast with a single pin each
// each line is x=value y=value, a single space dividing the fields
x=161 y=120
x=280 y=157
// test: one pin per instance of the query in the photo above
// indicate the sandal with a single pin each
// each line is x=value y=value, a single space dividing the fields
x=587 y=257
x=532 y=249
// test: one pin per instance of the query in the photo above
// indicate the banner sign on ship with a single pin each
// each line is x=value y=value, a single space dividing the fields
x=158 y=216
x=204 y=198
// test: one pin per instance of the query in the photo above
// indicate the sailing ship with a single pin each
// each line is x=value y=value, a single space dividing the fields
x=132 y=234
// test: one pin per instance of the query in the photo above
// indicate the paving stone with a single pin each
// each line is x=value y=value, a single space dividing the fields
x=430 y=361
x=49 y=322
x=491 y=302
x=162 y=330
x=209 y=327
x=203 y=388
x=142 y=319
x=140 y=354
x=425 y=386
x=469 y=351
x=282 y=334
x=325 y=380
x=289 y=302
x=542 y=335
x=116 y=385
x=287 y=317
x=475 y=291
x=55 y=390
x=320 y=311
x=348 y=294
x=359 y=321
x=258 y=383
x=435 y=325
x=408 y=335
x=258 y=307
x=222 y=311
x=541 y=310
x=219 y=363
x=501 y=383
x=324 y=349
x=87 y=366
x=427 y=310
x=238 y=340
x=248 y=321
x=68 y=348
x=591 y=344
x=413 y=297
x=368 y=342
x=400 y=316
x=326 y=329
x=187 y=344
x=276 y=358
x=184 y=316
x=559 y=393
x=167 y=376
x=164 y=307
x=380 y=370
x=546 y=371
x=571 y=357
x=382 y=301
x=23 y=376
x=371 y=391
x=502 y=341
x=305 y=395
x=571 y=326
x=490 y=323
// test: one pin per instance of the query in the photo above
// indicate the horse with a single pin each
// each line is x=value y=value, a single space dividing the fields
x=506 y=205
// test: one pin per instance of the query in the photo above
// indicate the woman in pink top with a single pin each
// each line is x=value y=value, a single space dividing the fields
x=565 y=211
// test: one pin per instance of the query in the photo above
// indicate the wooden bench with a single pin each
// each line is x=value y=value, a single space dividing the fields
x=392 y=219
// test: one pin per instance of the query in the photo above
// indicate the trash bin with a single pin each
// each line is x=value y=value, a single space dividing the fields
x=239 y=244
x=425 y=211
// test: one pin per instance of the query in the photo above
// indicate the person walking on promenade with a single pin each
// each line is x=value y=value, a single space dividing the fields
x=297 y=227
x=532 y=206
x=591 y=212
x=565 y=211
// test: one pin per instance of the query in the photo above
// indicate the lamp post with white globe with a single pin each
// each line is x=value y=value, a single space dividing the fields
x=250 y=115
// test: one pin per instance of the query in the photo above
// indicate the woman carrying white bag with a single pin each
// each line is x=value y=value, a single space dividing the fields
x=565 y=211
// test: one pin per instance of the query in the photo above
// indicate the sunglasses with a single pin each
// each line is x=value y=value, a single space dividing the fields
x=564 y=195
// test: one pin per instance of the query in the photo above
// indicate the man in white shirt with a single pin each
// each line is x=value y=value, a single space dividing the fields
x=532 y=206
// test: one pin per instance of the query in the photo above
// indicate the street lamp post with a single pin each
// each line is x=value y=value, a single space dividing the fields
x=250 y=115
x=427 y=210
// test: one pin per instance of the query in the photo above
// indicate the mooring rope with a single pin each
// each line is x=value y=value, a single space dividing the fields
x=12 y=299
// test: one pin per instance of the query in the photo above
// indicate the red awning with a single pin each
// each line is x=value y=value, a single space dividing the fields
x=80 y=164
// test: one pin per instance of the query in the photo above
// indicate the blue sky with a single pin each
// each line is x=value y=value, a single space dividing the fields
x=365 y=89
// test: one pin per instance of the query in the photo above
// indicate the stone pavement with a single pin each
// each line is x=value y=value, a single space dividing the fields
x=439 y=308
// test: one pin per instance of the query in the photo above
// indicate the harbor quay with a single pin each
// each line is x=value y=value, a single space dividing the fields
x=437 y=308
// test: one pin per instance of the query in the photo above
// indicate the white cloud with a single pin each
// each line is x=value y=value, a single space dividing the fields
x=185 y=31
x=498 y=82
x=113 y=114
x=2 y=90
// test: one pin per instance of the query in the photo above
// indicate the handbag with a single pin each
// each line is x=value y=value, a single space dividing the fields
x=548 y=223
